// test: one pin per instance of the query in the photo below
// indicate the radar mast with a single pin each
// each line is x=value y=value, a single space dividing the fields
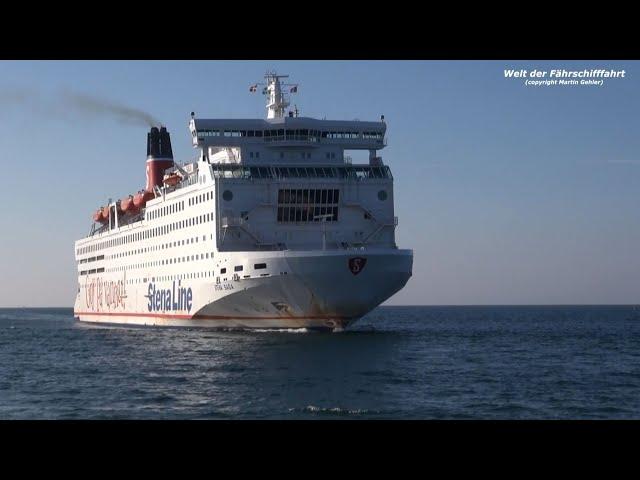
x=277 y=99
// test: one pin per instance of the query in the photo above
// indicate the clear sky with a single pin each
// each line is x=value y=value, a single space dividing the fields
x=508 y=194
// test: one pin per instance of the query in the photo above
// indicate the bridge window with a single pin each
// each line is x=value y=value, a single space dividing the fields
x=208 y=133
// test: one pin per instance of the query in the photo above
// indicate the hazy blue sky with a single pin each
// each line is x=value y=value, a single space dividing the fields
x=507 y=194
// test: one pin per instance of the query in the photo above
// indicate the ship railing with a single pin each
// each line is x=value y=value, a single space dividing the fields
x=380 y=225
x=99 y=230
x=242 y=224
x=351 y=246
x=228 y=222
x=269 y=247
x=187 y=181
x=233 y=222
x=345 y=172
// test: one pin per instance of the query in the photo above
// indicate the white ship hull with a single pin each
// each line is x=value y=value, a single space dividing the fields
x=272 y=226
x=304 y=289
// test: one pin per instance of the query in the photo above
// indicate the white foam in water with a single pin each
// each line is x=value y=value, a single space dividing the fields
x=336 y=410
x=279 y=330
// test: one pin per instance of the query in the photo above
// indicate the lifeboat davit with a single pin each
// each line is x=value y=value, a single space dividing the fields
x=141 y=199
x=172 y=180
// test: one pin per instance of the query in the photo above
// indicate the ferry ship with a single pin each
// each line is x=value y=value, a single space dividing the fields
x=272 y=226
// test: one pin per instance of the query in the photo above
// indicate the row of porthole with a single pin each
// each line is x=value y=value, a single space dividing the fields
x=227 y=195
x=152 y=232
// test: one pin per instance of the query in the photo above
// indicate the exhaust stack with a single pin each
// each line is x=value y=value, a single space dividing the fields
x=159 y=156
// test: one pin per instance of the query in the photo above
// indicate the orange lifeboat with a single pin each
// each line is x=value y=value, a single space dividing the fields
x=97 y=216
x=104 y=214
x=141 y=199
x=172 y=180
x=126 y=204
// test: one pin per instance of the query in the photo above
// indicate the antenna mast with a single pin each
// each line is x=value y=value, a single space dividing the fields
x=277 y=100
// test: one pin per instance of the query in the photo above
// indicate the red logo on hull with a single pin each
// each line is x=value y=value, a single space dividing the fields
x=357 y=264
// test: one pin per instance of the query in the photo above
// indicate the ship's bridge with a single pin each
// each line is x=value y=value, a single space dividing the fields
x=284 y=137
x=288 y=131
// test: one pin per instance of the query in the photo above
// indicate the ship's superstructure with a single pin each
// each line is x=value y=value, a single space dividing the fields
x=271 y=227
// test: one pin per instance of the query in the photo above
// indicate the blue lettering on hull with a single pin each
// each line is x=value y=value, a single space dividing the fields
x=176 y=298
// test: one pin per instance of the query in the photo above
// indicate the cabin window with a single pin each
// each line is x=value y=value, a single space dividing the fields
x=382 y=195
x=227 y=195
x=260 y=266
x=237 y=268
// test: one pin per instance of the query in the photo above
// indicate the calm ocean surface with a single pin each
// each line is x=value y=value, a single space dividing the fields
x=396 y=363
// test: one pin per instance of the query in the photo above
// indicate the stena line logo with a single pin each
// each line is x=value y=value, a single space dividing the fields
x=174 y=298
x=356 y=264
